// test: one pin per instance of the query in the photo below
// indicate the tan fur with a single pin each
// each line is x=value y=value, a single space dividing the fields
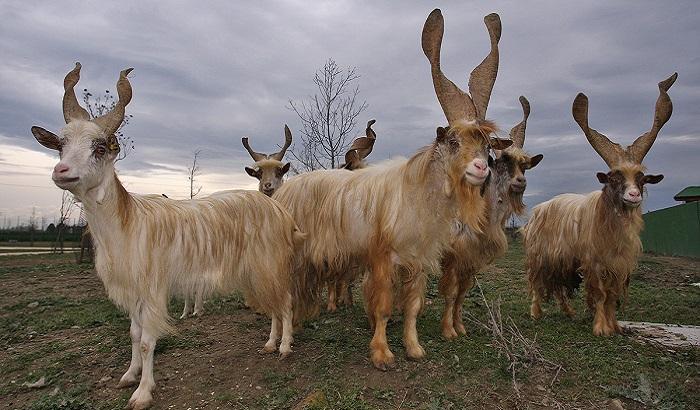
x=573 y=235
x=470 y=252
x=396 y=213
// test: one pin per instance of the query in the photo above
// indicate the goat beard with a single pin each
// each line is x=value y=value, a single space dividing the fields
x=471 y=208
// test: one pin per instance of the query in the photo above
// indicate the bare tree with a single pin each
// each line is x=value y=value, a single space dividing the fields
x=100 y=105
x=193 y=172
x=328 y=117
x=67 y=205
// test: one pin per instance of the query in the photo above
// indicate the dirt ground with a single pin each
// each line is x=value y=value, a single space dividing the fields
x=57 y=324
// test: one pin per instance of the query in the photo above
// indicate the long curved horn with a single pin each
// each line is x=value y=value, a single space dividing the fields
x=483 y=77
x=255 y=155
x=612 y=153
x=279 y=156
x=111 y=121
x=517 y=133
x=664 y=109
x=361 y=148
x=456 y=104
x=71 y=109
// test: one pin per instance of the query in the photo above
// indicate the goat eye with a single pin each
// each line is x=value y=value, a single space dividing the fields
x=100 y=150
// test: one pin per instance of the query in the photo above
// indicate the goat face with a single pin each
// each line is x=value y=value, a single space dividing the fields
x=624 y=184
x=86 y=154
x=270 y=173
x=512 y=164
x=466 y=148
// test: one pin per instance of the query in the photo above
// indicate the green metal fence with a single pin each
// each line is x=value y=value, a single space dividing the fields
x=673 y=231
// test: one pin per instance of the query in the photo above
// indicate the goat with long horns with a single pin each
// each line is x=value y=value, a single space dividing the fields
x=269 y=168
x=595 y=236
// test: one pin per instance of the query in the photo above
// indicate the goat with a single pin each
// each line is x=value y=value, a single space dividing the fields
x=594 y=238
x=395 y=217
x=472 y=252
x=270 y=171
x=340 y=288
x=148 y=247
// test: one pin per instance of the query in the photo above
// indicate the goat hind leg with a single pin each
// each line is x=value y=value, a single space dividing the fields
x=413 y=302
x=287 y=330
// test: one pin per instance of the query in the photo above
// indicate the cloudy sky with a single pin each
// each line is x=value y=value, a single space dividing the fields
x=208 y=73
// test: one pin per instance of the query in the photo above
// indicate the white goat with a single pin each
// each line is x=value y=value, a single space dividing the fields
x=148 y=247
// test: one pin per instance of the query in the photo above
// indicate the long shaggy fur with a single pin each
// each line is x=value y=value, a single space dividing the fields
x=576 y=237
x=395 y=213
x=149 y=247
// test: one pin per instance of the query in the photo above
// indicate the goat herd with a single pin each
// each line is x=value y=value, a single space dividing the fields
x=389 y=223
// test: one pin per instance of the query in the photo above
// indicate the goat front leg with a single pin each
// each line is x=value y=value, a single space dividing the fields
x=466 y=282
x=536 y=291
x=610 y=314
x=379 y=295
x=142 y=397
x=130 y=378
x=449 y=288
x=412 y=305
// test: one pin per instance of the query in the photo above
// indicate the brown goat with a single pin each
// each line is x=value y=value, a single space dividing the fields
x=594 y=238
x=473 y=251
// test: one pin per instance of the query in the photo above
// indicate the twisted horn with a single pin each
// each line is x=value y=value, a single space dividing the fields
x=483 y=77
x=612 y=153
x=361 y=147
x=517 y=133
x=71 y=109
x=279 y=156
x=111 y=121
x=256 y=155
x=663 y=111
x=456 y=104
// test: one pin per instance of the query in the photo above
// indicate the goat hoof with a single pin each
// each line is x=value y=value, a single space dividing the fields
x=284 y=355
x=127 y=381
x=331 y=307
x=449 y=334
x=267 y=349
x=383 y=360
x=415 y=353
x=140 y=400
x=460 y=329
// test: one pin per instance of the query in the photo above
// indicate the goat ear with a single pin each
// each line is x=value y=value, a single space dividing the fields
x=285 y=168
x=46 y=138
x=652 y=179
x=602 y=177
x=441 y=134
x=252 y=172
x=500 y=143
x=536 y=160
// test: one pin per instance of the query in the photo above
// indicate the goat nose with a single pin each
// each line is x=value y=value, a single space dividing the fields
x=520 y=179
x=268 y=184
x=480 y=164
x=634 y=193
x=61 y=168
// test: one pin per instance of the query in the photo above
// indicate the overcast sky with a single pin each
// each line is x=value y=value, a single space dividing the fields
x=207 y=73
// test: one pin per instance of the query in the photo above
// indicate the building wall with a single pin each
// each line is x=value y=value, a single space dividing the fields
x=673 y=231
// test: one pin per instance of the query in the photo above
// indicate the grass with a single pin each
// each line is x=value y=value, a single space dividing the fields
x=75 y=339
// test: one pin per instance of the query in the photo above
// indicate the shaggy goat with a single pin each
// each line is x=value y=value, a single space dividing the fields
x=594 y=237
x=471 y=252
x=269 y=170
x=340 y=288
x=395 y=217
x=148 y=247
